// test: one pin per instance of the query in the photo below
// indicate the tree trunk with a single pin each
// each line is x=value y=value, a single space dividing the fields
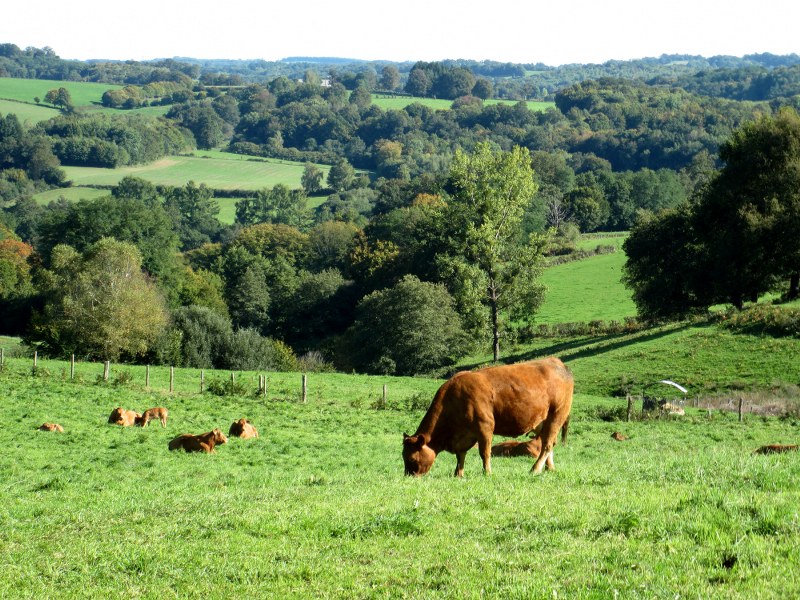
x=794 y=285
x=495 y=324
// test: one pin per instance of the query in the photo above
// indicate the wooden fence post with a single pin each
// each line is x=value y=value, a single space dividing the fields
x=265 y=386
x=305 y=387
x=106 y=370
x=35 y=359
x=2 y=359
x=171 y=379
x=630 y=407
x=741 y=406
x=202 y=377
x=384 y=395
x=147 y=377
x=72 y=367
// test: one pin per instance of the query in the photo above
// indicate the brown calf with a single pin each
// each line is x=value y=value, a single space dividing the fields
x=51 y=427
x=204 y=442
x=243 y=429
x=514 y=448
x=159 y=412
x=121 y=416
x=776 y=449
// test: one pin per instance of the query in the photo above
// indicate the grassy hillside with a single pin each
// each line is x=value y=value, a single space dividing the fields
x=29 y=114
x=25 y=90
x=17 y=96
x=318 y=506
x=389 y=102
x=216 y=169
x=586 y=290
x=72 y=194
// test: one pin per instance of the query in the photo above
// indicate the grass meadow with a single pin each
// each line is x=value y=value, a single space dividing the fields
x=318 y=506
x=28 y=114
x=586 y=290
x=392 y=102
x=25 y=90
x=217 y=170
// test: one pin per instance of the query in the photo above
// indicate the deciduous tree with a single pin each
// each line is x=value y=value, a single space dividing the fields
x=99 y=304
x=487 y=263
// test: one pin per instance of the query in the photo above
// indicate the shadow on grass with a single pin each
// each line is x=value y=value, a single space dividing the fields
x=597 y=345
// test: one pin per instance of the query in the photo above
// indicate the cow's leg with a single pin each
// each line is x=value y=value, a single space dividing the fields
x=460 y=457
x=548 y=435
x=549 y=465
x=485 y=448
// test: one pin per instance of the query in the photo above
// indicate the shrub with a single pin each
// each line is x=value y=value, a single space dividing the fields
x=407 y=329
x=226 y=387
x=247 y=350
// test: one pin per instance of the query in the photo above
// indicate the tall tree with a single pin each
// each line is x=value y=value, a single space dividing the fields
x=750 y=214
x=311 y=180
x=488 y=264
x=99 y=304
x=390 y=78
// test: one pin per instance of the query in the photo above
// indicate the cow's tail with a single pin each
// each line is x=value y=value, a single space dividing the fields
x=564 y=429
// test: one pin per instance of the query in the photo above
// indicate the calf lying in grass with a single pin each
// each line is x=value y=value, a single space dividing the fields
x=51 y=427
x=121 y=416
x=776 y=449
x=513 y=448
x=243 y=429
x=204 y=442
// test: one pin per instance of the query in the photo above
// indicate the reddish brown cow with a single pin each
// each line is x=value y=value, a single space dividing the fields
x=243 y=429
x=51 y=427
x=126 y=418
x=776 y=449
x=204 y=442
x=514 y=448
x=620 y=437
x=158 y=412
x=508 y=400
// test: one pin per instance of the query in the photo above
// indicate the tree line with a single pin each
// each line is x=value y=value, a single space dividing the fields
x=736 y=239
x=460 y=270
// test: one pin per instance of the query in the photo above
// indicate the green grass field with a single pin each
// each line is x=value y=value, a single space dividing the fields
x=17 y=96
x=25 y=90
x=317 y=507
x=28 y=114
x=387 y=102
x=586 y=290
x=73 y=194
x=216 y=169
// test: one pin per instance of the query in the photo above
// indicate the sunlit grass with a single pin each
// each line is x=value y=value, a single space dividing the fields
x=318 y=506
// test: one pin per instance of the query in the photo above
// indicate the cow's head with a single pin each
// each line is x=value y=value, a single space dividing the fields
x=417 y=455
x=219 y=437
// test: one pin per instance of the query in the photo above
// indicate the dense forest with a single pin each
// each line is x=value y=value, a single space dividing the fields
x=399 y=239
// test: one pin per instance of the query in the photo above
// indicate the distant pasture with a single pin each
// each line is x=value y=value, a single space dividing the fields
x=393 y=102
x=215 y=169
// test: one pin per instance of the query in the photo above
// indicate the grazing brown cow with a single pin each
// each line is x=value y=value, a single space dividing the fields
x=158 y=412
x=51 y=427
x=126 y=418
x=776 y=449
x=619 y=436
x=514 y=448
x=204 y=442
x=243 y=429
x=509 y=400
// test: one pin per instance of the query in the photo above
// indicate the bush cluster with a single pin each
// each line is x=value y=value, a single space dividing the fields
x=765 y=319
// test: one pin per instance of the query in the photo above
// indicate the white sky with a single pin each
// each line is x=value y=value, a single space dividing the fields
x=550 y=31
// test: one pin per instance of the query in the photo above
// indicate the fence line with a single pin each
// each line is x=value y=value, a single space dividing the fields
x=353 y=389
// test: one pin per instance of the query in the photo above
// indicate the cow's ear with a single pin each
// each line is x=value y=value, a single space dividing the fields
x=405 y=436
